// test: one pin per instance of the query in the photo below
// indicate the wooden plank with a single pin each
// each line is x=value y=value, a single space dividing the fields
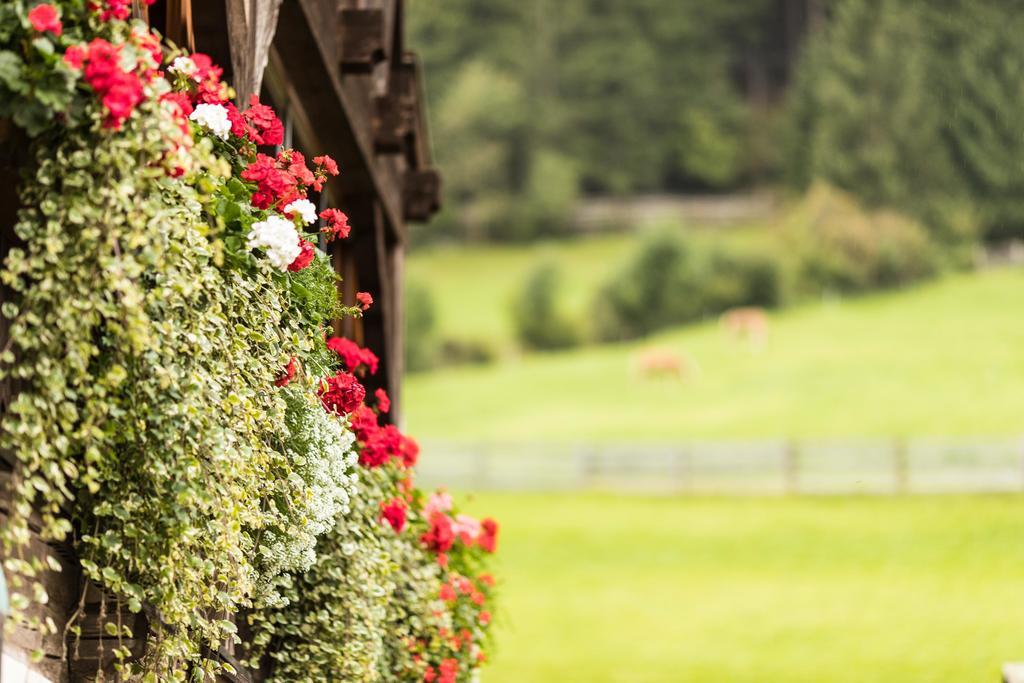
x=251 y=28
x=180 y=27
x=363 y=39
x=421 y=196
x=342 y=110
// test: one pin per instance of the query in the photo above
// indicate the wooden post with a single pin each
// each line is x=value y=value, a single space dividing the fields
x=179 y=24
x=901 y=466
x=682 y=469
x=251 y=27
x=791 y=466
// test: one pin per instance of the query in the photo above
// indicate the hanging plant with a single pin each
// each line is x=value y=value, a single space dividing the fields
x=181 y=418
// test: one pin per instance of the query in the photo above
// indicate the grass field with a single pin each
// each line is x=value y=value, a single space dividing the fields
x=844 y=590
x=943 y=358
x=474 y=286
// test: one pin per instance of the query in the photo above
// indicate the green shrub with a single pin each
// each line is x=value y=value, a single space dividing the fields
x=539 y=324
x=737 y=277
x=420 y=319
x=844 y=248
x=464 y=352
x=657 y=288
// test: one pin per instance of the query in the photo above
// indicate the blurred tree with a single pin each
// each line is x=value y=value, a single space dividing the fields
x=918 y=106
x=864 y=117
x=539 y=323
x=598 y=96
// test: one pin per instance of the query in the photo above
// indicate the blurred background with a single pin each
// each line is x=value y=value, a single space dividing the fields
x=724 y=302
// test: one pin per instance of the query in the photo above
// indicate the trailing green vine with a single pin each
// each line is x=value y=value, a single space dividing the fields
x=181 y=416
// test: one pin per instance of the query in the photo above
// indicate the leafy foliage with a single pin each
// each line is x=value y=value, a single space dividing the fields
x=916 y=106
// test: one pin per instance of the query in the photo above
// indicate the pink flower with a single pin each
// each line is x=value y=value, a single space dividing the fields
x=365 y=300
x=439 y=501
x=45 y=18
x=467 y=528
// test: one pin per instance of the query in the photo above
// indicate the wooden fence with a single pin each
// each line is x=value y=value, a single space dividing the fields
x=771 y=467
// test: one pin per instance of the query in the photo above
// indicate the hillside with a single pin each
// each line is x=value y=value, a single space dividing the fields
x=942 y=358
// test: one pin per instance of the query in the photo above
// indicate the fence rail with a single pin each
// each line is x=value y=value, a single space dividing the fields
x=865 y=466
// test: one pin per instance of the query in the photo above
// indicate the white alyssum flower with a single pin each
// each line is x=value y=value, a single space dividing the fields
x=304 y=208
x=324 y=462
x=214 y=118
x=184 y=66
x=278 y=237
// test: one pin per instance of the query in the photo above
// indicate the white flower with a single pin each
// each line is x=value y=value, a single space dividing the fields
x=305 y=208
x=184 y=66
x=278 y=237
x=214 y=118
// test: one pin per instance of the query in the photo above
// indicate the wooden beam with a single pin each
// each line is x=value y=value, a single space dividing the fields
x=421 y=196
x=180 y=29
x=363 y=39
x=342 y=106
x=251 y=27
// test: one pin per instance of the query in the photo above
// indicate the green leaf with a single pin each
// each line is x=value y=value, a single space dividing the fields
x=11 y=68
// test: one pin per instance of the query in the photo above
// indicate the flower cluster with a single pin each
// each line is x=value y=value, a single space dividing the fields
x=282 y=179
x=341 y=393
x=119 y=89
x=353 y=357
x=114 y=9
x=257 y=124
x=278 y=238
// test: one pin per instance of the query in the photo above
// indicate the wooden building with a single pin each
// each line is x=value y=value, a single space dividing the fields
x=340 y=76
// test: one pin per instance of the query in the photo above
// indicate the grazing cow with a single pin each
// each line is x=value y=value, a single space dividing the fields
x=747 y=322
x=666 y=363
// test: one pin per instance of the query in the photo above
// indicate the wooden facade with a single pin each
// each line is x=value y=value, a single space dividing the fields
x=340 y=76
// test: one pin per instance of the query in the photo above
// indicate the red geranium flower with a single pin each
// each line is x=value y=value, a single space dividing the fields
x=337 y=224
x=364 y=423
x=304 y=258
x=341 y=393
x=354 y=356
x=449 y=671
x=365 y=300
x=484 y=618
x=441 y=537
x=263 y=126
x=393 y=512
x=119 y=90
x=289 y=373
x=489 y=538
x=325 y=166
x=383 y=401
x=45 y=18
x=329 y=166
x=74 y=57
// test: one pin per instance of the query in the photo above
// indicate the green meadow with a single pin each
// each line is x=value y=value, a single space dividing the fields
x=799 y=590
x=941 y=358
